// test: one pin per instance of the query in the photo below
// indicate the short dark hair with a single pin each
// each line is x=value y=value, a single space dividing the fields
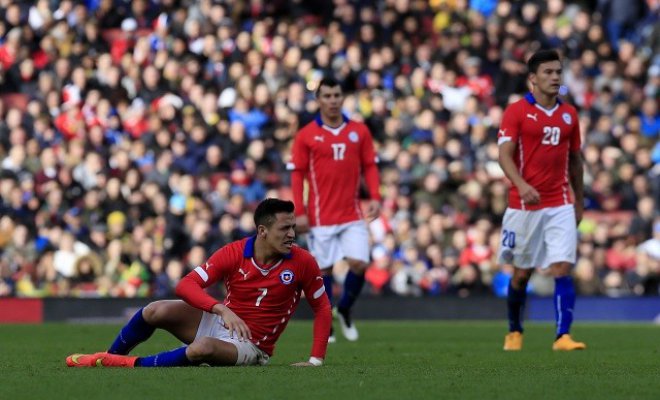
x=540 y=57
x=328 y=82
x=266 y=210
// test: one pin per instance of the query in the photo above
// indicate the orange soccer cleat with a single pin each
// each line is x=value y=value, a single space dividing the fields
x=513 y=341
x=100 y=360
x=566 y=343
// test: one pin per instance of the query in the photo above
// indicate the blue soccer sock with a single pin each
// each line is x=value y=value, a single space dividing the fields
x=135 y=332
x=516 y=305
x=564 y=304
x=328 y=282
x=172 y=358
x=352 y=288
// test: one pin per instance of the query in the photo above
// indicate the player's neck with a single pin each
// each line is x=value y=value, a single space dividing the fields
x=544 y=100
x=264 y=255
x=332 y=122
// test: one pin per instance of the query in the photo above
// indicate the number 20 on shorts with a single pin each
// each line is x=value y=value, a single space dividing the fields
x=508 y=239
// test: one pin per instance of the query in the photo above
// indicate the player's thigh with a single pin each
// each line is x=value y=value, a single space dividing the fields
x=560 y=235
x=323 y=243
x=176 y=316
x=354 y=241
x=225 y=348
x=521 y=241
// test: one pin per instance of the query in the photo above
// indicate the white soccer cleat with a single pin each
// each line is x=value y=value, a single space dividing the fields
x=332 y=338
x=347 y=326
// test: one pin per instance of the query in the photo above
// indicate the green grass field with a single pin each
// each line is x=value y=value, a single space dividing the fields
x=394 y=360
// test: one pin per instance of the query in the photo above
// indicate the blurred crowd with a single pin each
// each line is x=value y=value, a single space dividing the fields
x=136 y=137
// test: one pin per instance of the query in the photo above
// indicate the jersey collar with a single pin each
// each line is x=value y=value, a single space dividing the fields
x=531 y=100
x=319 y=121
x=248 y=252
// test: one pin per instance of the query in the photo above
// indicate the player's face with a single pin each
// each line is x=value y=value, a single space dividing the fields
x=330 y=99
x=547 y=78
x=281 y=235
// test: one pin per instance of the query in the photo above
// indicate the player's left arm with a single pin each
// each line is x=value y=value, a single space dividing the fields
x=312 y=285
x=576 y=170
x=369 y=161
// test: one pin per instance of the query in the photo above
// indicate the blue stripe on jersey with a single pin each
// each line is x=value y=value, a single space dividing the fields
x=531 y=100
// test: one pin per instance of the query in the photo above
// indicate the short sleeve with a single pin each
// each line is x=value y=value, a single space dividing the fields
x=299 y=154
x=510 y=126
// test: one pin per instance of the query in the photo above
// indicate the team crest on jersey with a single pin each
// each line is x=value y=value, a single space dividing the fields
x=567 y=118
x=353 y=137
x=286 y=277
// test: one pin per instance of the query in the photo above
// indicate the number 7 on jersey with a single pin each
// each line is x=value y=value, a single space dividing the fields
x=264 y=292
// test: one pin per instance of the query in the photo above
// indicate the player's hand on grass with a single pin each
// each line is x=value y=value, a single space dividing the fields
x=528 y=194
x=303 y=364
x=302 y=224
x=236 y=326
x=313 y=362
x=373 y=210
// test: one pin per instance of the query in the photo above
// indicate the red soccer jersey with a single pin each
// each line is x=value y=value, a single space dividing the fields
x=332 y=161
x=544 y=138
x=264 y=298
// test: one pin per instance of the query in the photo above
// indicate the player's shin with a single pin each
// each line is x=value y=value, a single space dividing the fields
x=516 y=299
x=172 y=358
x=564 y=303
x=135 y=332
x=352 y=288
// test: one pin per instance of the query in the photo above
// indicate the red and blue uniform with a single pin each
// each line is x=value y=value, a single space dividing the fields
x=265 y=297
x=544 y=139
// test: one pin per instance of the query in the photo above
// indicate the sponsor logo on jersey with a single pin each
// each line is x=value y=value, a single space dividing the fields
x=286 y=277
x=532 y=116
x=353 y=137
x=567 y=118
x=318 y=138
x=245 y=274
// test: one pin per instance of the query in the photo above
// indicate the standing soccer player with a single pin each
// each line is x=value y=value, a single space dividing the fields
x=332 y=153
x=264 y=275
x=539 y=143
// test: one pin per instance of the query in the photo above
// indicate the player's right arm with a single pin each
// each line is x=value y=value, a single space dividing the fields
x=507 y=139
x=299 y=166
x=191 y=289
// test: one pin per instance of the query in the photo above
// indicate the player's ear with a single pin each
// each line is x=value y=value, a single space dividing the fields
x=531 y=80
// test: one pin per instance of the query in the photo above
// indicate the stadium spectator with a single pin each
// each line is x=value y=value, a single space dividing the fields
x=128 y=83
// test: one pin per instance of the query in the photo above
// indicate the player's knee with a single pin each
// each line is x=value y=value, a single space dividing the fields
x=520 y=279
x=200 y=349
x=154 y=312
x=357 y=266
x=561 y=269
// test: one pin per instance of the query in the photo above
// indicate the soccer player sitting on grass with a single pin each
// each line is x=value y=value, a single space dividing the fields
x=539 y=142
x=264 y=275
